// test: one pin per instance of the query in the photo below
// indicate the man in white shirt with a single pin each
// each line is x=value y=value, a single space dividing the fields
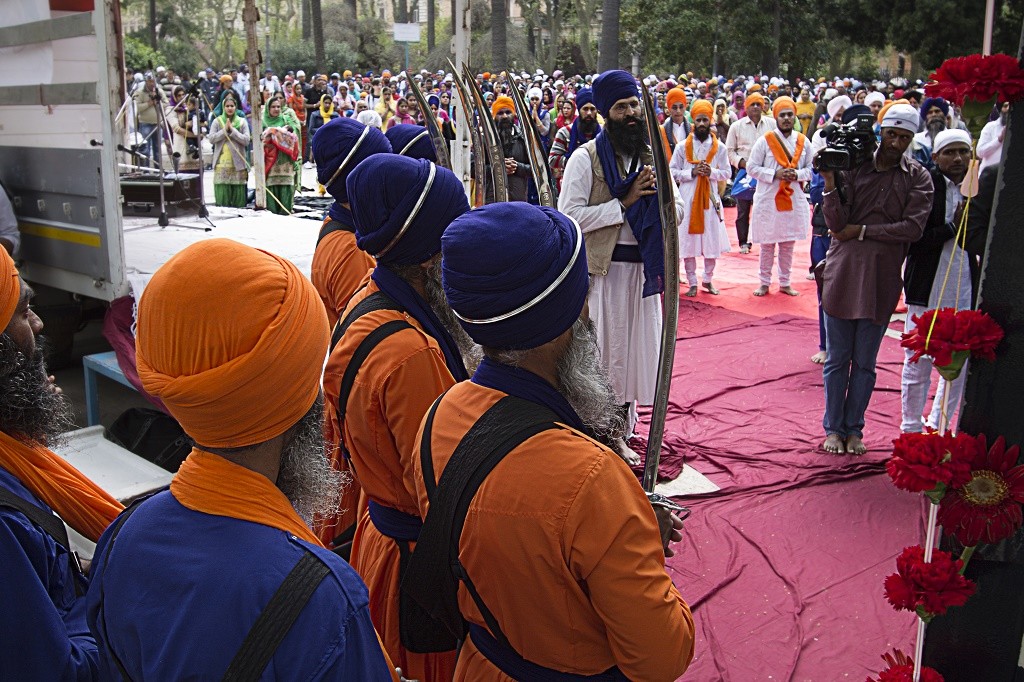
x=742 y=136
x=990 y=143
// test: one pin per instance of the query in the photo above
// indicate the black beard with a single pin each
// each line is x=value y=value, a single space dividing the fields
x=701 y=133
x=627 y=139
x=588 y=126
x=505 y=132
x=31 y=410
x=306 y=476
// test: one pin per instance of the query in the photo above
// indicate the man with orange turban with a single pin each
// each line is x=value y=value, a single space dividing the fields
x=676 y=127
x=697 y=165
x=742 y=136
x=231 y=339
x=513 y=144
x=780 y=161
x=42 y=627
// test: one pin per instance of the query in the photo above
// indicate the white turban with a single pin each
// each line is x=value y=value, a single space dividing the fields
x=837 y=103
x=948 y=137
x=902 y=116
x=874 y=98
x=534 y=92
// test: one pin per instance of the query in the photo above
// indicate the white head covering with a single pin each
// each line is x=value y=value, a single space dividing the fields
x=534 y=92
x=837 y=103
x=874 y=97
x=902 y=116
x=830 y=93
x=950 y=136
x=369 y=118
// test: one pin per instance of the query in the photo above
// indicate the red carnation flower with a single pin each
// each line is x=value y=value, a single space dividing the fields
x=949 y=335
x=927 y=588
x=977 y=77
x=901 y=669
x=987 y=508
x=923 y=462
x=979 y=333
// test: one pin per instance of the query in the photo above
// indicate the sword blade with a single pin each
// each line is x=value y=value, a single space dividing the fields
x=493 y=143
x=538 y=159
x=440 y=146
x=466 y=102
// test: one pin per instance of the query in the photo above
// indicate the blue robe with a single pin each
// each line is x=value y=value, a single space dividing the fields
x=43 y=633
x=181 y=589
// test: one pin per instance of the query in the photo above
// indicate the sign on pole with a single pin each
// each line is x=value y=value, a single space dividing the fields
x=406 y=33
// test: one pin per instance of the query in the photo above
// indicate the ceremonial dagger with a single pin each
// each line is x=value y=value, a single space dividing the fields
x=670 y=316
x=474 y=133
x=538 y=159
x=440 y=145
x=491 y=139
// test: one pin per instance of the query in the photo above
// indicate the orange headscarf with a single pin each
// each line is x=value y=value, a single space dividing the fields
x=10 y=288
x=784 y=195
x=232 y=339
x=502 y=102
x=702 y=192
x=783 y=103
x=753 y=97
x=674 y=96
x=702 y=106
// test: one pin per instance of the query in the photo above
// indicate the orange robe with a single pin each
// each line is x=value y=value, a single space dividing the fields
x=339 y=268
x=392 y=392
x=564 y=549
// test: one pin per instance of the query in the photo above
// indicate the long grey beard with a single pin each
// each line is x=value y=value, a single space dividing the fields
x=471 y=353
x=584 y=383
x=306 y=477
x=935 y=127
x=30 y=407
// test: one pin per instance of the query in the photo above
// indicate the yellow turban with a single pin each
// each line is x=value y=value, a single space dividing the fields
x=753 y=98
x=347 y=74
x=10 y=289
x=781 y=104
x=232 y=339
x=502 y=102
x=702 y=106
x=675 y=95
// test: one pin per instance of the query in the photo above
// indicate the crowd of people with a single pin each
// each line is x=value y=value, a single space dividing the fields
x=365 y=439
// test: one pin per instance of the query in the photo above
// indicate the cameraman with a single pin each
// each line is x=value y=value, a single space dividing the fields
x=147 y=100
x=874 y=212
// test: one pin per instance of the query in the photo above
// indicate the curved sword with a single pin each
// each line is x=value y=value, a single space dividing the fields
x=538 y=159
x=440 y=145
x=670 y=316
x=466 y=102
x=491 y=139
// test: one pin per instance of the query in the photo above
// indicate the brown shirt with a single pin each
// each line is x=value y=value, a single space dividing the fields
x=862 y=279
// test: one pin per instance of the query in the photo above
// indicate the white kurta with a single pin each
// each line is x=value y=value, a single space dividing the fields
x=715 y=241
x=767 y=224
x=628 y=326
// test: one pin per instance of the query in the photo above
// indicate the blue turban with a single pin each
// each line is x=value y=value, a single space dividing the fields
x=934 y=102
x=412 y=141
x=338 y=147
x=584 y=96
x=512 y=260
x=610 y=87
x=434 y=100
x=387 y=191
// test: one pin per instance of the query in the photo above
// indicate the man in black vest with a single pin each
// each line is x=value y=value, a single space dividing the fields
x=676 y=127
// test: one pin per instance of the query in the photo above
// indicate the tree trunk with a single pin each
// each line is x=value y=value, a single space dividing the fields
x=431 y=21
x=609 y=48
x=306 y=22
x=316 y=18
x=455 y=19
x=584 y=11
x=531 y=35
x=152 y=24
x=499 y=37
x=553 y=30
x=353 y=6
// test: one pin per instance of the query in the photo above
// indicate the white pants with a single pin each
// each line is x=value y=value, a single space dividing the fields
x=690 y=266
x=914 y=385
x=767 y=259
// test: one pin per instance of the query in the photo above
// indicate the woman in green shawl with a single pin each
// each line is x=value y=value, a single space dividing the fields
x=229 y=135
x=280 y=153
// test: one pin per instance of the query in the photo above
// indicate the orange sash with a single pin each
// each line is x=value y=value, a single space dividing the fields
x=78 y=501
x=702 y=193
x=211 y=484
x=784 y=196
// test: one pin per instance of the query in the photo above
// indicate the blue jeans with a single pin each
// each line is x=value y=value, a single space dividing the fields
x=153 y=139
x=852 y=349
x=819 y=247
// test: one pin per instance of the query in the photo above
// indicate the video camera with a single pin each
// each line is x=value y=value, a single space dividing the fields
x=847 y=145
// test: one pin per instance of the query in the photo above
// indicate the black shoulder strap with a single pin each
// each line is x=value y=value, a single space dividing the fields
x=49 y=522
x=375 y=301
x=434 y=568
x=333 y=226
x=426 y=454
x=277 y=618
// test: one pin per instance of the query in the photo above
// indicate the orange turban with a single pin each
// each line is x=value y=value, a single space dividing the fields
x=756 y=87
x=702 y=106
x=885 y=107
x=10 y=289
x=783 y=103
x=502 y=102
x=232 y=339
x=773 y=88
x=487 y=75
x=752 y=98
x=674 y=96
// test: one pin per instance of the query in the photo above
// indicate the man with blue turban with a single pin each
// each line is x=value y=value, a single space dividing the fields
x=935 y=119
x=565 y=555
x=569 y=138
x=610 y=191
x=400 y=347
x=411 y=140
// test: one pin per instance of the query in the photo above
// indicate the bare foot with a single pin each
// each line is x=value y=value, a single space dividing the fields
x=818 y=358
x=761 y=290
x=855 y=446
x=711 y=288
x=744 y=249
x=789 y=291
x=834 y=444
x=692 y=292
x=626 y=453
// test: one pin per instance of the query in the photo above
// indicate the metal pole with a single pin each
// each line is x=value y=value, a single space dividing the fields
x=250 y=15
x=460 y=46
x=986 y=42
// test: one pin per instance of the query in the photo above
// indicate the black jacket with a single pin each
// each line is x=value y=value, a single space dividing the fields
x=672 y=141
x=923 y=260
x=518 y=183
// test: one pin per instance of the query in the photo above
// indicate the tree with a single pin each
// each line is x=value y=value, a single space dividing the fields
x=499 y=35
x=609 y=50
x=431 y=23
x=316 y=16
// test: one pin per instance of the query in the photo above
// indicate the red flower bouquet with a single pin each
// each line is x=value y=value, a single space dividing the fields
x=929 y=589
x=979 y=78
x=901 y=669
x=954 y=336
x=987 y=508
x=930 y=463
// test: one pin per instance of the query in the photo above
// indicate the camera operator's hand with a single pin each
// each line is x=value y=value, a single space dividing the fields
x=847 y=233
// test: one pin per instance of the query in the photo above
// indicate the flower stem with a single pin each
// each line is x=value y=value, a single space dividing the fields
x=966 y=557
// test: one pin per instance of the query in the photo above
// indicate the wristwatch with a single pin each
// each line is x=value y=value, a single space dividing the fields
x=863 y=229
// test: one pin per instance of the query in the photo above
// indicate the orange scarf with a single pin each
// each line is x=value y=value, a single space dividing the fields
x=784 y=197
x=79 y=502
x=211 y=484
x=702 y=194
